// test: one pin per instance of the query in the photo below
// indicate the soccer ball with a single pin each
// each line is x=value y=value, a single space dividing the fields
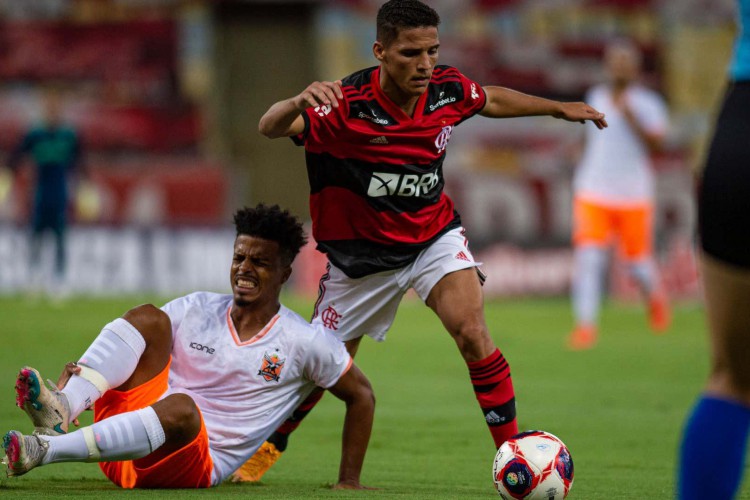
x=533 y=465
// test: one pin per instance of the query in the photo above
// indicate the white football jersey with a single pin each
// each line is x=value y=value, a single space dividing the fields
x=615 y=168
x=245 y=390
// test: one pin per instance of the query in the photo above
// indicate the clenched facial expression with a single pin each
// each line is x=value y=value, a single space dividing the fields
x=257 y=271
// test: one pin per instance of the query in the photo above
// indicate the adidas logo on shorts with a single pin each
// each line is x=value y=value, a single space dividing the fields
x=462 y=256
x=379 y=140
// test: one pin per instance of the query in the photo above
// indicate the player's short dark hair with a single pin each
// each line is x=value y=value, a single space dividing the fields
x=399 y=14
x=273 y=224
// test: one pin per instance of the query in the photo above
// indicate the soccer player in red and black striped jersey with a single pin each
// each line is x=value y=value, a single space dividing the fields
x=375 y=143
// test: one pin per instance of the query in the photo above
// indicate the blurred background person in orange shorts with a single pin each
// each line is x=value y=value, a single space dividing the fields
x=614 y=193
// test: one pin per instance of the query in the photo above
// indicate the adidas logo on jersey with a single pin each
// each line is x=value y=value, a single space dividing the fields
x=384 y=184
x=462 y=256
x=379 y=140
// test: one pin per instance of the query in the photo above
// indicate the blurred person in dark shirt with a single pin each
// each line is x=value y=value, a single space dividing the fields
x=55 y=150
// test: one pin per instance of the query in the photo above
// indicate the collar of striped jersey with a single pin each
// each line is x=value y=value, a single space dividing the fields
x=391 y=107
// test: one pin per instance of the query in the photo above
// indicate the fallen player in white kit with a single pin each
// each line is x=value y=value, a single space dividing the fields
x=185 y=394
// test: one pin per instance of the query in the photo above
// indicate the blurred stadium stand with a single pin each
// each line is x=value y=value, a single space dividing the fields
x=167 y=94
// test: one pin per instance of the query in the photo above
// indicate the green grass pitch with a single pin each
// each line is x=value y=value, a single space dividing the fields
x=619 y=408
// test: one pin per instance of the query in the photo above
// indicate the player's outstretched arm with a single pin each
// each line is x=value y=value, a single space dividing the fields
x=507 y=103
x=354 y=389
x=284 y=119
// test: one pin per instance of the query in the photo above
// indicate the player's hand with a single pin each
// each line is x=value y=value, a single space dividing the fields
x=319 y=94
x=581 y=112
x=628 y=114
x=69 y=370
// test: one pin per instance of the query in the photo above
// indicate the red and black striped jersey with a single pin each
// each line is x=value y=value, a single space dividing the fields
x=376 y=174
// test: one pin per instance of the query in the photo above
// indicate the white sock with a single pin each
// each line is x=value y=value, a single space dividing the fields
x=126 y=436
x=81 y=394
x=644 y=273
x=66 y=448
x=113 y=357
x=588 y=276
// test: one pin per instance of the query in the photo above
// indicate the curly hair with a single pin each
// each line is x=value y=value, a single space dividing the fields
x=398 y=14
x=274 y=224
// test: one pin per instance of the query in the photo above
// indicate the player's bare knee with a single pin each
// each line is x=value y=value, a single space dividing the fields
x=150 y=321
x=371 y=393
x=367 y=395
x=179 y=417
x=471 y=333
x=473 y=341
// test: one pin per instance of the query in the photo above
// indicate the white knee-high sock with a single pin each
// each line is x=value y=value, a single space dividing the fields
x=126 y=436
x=81 y=394
x=643 y=272
x=108 y=362
x=588 y=275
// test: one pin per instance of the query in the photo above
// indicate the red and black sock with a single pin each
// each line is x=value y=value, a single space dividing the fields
x=493 y=388
x=280 y=437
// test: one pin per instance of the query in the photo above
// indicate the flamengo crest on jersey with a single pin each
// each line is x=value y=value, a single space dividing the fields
x=376 y=174
x=443 y=137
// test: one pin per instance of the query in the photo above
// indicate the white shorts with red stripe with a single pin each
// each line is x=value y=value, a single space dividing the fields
x=351 y=308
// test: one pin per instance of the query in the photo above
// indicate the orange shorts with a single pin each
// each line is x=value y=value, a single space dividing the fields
x=188 y=467
x=599 y=225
